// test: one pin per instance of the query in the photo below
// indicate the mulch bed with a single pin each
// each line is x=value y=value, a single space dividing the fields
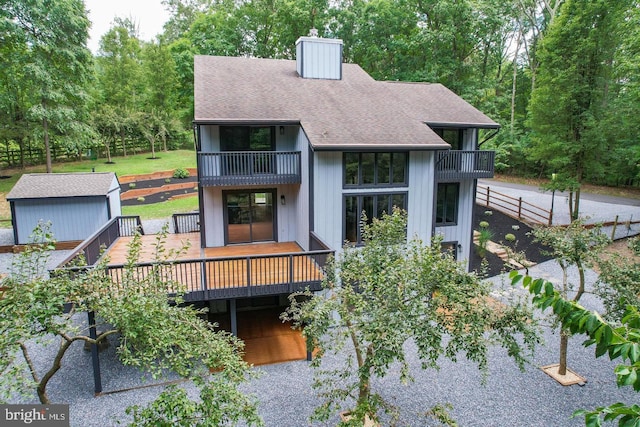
x=160 y=195
x=501 y=225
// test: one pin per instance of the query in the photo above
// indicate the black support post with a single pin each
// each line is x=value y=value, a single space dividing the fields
x=95 y=357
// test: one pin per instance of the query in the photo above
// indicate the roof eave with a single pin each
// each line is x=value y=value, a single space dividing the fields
x=463 y=125
x=379 y=147
x=247 y=122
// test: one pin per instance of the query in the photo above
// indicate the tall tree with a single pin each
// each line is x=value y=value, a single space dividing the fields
x=571 y=92
x=57 y=62
x=119 y=74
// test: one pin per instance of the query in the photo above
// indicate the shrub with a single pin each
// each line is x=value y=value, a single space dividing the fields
x=484 y=224
x=181 y=173
x=488 y=213
x=132 y=185
x=167 y=180
x=634 y=245
x=510 y=237
x=515 y=227
x=140 y=199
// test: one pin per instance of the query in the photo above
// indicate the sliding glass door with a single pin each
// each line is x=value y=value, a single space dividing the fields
x=249 y=216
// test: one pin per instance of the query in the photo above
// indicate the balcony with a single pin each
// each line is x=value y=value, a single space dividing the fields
x=249 y=168
x=454 y=165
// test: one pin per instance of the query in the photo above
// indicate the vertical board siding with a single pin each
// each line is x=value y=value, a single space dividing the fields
x=421 y=194
x=302 y=202
x=327 y=196
x=319 y=58
x=71 y=218
x=461 y=232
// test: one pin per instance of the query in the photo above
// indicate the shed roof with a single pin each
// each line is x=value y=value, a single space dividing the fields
x=356 y=111
x=55 y=185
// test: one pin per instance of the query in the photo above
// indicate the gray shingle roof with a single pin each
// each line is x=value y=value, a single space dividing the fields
x=50 y=185
x=355 y=111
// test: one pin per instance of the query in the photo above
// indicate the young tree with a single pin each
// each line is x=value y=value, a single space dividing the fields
x=617 y=341
x=157 y=332
x=619 y=282
x=571 y=246
x=379 y=296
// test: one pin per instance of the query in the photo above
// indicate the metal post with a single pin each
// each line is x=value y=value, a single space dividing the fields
x=233 y=317
x=553 y=198
x=95 y=357
x=487 y=196
x=519 y=207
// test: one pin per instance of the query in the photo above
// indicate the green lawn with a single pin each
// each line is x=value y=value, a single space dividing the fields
x=163 y=209
x=130 y=165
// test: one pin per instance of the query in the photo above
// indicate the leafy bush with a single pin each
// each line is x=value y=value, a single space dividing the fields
x=634 y=245
x=140 y=199
x=181 y=173
x=132 y=185
x=484 y=224
x=510 y=237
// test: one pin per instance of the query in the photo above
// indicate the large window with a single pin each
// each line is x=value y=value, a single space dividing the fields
x=375 y=169
x=447 y=203
x=247 y=138
x=373 y=205
x=452 y=136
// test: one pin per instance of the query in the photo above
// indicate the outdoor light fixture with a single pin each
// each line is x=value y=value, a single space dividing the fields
x=282 y=200
x=281 y=130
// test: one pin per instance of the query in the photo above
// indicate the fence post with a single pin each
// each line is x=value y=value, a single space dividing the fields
x=615 y=225
x=519 y=207
x=488 y=195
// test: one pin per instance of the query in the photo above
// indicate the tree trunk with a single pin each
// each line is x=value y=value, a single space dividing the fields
x=514 y=84
x=564 y=342
x=124 y=144
x=57 y=363
x=576 y=205
x=47 y=147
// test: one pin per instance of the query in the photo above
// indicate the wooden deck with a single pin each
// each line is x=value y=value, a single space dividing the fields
x=225 y=272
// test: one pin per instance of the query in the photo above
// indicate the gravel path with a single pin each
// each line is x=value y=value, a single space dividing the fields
x=508 y=398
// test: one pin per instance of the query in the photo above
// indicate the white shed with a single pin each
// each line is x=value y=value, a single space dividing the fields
x=77 y=204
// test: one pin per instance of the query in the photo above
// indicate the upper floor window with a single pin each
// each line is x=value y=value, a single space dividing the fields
x=452 y=136
x=375 y=169
x=247 y=138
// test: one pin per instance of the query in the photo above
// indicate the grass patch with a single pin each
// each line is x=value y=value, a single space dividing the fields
x=130 y=165
x=163 y=209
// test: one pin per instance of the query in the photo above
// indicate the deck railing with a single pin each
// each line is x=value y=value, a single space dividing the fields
x=512 y=206
x=93 y=246
x=249 y=167
x=235 y=277
x=186 y=222
x=455 y=164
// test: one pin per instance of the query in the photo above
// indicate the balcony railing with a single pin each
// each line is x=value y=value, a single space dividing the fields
x=455 y=165
x=235 y=277
x=203 y=279
x=249 y=167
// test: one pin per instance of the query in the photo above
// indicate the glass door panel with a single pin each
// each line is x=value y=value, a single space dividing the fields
x=250 y=216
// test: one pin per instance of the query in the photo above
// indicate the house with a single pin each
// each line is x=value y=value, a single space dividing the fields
x=76 y=204
x=289 y=150
x=295 y=151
